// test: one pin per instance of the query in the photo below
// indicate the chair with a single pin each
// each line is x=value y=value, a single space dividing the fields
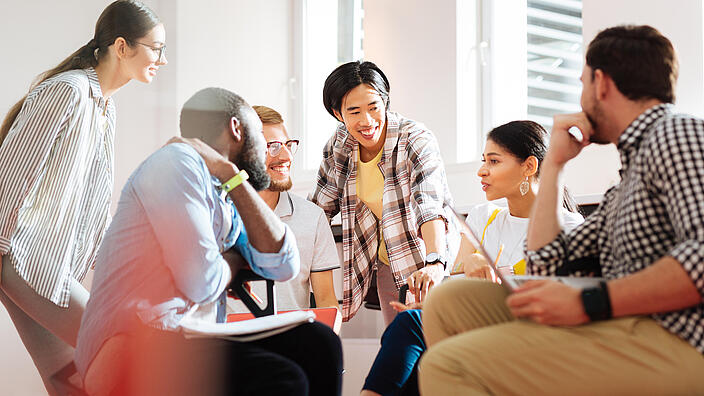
x=371 y=299
x=239 y=288
x=328 y=316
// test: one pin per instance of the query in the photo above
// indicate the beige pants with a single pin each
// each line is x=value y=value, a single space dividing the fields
x=477 y=347
x=48 y=331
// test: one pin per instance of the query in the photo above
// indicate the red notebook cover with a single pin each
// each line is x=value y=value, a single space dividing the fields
x=323 y=315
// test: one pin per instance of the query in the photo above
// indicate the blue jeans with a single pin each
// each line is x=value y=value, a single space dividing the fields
x=394 y=371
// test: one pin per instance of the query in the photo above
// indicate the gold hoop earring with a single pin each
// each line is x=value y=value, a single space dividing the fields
x=524 y=186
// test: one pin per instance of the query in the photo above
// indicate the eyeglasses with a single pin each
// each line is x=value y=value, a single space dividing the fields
x=274 y=147
x=158 y=51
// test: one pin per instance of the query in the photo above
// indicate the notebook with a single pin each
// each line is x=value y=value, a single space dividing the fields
x=511 y=282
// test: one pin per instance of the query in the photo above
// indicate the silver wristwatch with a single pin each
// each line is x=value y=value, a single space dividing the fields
x=435 y=258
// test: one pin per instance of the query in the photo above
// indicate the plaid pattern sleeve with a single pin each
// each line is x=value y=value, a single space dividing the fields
x=327 y=193
x=415 y=191
x=428 y=180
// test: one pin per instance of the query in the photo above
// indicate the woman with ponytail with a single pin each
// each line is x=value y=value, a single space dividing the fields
x=511 y=166
x=56 y=179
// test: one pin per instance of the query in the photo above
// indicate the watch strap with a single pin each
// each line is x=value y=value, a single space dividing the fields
x=596 y=301
x=435 y=258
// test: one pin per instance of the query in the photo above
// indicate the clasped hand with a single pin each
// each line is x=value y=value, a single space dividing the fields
x=548 y=302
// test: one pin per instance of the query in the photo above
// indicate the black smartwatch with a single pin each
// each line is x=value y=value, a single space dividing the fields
x=597 y=304
x=435 y=258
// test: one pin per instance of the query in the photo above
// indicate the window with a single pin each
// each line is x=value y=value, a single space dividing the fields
x=554 y=49
x=326 y=34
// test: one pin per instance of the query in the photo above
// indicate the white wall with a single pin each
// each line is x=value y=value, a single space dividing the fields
x=679 y=20
x=243 y=46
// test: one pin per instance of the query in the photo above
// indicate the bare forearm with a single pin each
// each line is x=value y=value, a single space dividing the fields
x=433 y=234
x=265 y=230
x=323 y=289
x=662 y=287
x=325 y=301
x=544 y=224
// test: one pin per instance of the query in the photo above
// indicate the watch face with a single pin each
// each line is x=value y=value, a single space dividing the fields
x=432 y=257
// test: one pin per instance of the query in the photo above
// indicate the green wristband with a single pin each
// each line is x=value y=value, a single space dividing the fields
x=235 y=181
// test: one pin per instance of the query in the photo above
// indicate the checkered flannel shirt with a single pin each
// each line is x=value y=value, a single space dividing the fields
x=415 y=191
x=656 y=210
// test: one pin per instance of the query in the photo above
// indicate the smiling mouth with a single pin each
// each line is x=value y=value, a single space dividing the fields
x=368 y=133
x=485 y=186
x=281 y=168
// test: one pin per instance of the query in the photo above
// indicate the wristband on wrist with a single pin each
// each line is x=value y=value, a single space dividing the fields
x=235 y=181
x=597 y=304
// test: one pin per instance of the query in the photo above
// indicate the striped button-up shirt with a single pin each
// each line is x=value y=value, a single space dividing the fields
x=56 y=179
x=657 y=210
x=415 y=191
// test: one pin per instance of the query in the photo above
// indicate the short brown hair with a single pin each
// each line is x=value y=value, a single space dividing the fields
x=268 y=116
x=639 y=59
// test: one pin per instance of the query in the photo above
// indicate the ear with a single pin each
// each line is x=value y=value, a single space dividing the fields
x=338 y=116
x=530 y=166
x=602 y=83
x=121 y=47
x=235 y=129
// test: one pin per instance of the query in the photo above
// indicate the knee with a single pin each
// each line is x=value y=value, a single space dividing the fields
x=430 y=367
x=442 y=296
x=405 y=323
x=326 y=342
x=291 y=380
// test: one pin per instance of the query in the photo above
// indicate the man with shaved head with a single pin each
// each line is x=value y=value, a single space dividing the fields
x=188 y=219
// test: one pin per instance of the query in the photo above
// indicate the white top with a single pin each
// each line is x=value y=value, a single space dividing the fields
x=509 y=230
x=316 y=246
x=56 y=179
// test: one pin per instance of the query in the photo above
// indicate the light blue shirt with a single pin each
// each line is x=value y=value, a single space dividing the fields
x=162 y=252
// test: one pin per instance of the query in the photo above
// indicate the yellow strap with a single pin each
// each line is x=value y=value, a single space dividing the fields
x=491 y=219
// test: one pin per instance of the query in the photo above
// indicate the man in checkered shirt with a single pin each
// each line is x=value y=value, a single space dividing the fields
x=642 y=330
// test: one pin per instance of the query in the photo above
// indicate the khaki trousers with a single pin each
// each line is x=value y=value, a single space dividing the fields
x=477 y=347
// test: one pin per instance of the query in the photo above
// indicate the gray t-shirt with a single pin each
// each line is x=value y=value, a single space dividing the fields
x=316 y=246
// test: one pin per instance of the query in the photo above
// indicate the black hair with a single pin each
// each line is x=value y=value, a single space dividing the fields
x=348 y=76
x=526 y=139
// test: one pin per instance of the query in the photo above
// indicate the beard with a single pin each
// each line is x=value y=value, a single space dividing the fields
x=595 y=115
x=251 y=160
x=281 y=185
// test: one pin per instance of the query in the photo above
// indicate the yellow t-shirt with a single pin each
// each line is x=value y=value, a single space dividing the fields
x=370 y=189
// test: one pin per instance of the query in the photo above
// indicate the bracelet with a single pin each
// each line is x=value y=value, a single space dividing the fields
x=235 y=181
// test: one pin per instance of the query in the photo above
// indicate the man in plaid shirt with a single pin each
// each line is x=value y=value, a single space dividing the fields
x=642 y=330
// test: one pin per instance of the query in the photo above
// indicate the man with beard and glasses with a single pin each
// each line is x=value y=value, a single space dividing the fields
x=640 y=331
x=308 y=222
x=188 y=219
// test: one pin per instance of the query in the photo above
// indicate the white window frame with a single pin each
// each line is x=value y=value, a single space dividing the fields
x=299 y=97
